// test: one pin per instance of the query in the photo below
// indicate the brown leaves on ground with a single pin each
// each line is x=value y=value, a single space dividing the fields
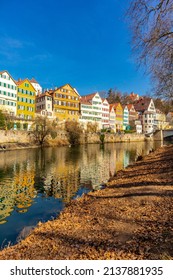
x=130 y=219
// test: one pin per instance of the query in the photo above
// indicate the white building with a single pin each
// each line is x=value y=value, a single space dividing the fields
x=112 y=117
x=91 y=110
x=147 y=114
x=138 y=126
x=44 y=104
x=105 y=113
x=160 y=120
x=125 y=117
x=8 y=93
x=37 y=86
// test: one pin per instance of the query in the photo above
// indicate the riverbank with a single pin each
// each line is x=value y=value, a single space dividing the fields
x=130 y=219
x=15 y=140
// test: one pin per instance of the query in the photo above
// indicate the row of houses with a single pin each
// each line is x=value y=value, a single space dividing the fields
x=24 y=99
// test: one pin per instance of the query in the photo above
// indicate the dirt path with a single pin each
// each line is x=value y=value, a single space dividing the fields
x=130 y=219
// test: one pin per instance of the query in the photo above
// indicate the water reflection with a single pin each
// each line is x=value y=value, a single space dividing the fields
x=35 y=184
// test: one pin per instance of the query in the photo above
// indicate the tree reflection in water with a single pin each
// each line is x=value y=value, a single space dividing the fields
x=38 y=182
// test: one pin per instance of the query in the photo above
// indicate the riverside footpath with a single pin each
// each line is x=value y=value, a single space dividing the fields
x=131 y=218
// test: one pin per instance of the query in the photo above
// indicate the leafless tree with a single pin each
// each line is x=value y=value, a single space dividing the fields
x=41 y=128
x=151 y=22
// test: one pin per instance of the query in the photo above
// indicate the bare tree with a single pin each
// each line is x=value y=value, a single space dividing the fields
x=151 y=22
x=41 y=128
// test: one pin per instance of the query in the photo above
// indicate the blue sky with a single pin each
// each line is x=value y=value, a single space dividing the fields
x=85 y=43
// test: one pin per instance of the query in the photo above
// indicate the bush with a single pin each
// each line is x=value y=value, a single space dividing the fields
x=53 y=134
x=2 y=120
x=25 y=126
x=129 y=131
x=74 y=132
x=18 y=125
x=102 y=137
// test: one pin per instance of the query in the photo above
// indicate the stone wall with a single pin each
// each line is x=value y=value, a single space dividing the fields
x=158 y=135
x=15 y=136
x=22 y=138
x=112 y=138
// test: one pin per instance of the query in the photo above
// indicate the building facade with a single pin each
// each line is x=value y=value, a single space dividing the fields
x=169 y=119
x=44 y=105
x=118 y=116
x=105 y=113
x=37 y=86
x=65 y=103
x=133 y=115
x=160 y=120
x=8 y=93
x=25 y=100
x=91 y=110
x=147 y=114
x=112 y=117
x=125 y=117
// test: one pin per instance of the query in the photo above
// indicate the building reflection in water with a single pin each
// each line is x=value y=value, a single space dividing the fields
x=59 y=173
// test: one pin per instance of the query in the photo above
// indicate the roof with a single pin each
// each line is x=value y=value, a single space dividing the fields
x=124 y=106
x=20 y=81
x=1 y=72
x=130 y=106
x=83 y=100
x=142 y=104
x=33 y=81
x=134 y=96
x=111 y=106
x=116 y=104
x=46 y=93
x=170 y=113
x=70 y=86
x=89 y=96
x=159 y=112
x=50 y=91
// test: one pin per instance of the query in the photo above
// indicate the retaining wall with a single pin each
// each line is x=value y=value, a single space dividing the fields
x=10 y=138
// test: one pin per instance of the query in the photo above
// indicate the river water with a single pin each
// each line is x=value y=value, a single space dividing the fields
x=36 y=184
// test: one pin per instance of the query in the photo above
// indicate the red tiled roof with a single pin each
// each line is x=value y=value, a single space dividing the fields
x=1 y=72
x=33 y=81
x=83 y=100
x=111 y=106
x=51 y=91
x=130 y=106
x=134 y=96
x=142 y=104
x=159 y=112
x=43 y=94
x=89 y=96
x=116 y=104
x=19 y=82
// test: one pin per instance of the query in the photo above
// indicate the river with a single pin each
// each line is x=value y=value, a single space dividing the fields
x=36 y=184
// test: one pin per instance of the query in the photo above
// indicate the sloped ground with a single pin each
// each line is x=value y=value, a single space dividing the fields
x=130 y=219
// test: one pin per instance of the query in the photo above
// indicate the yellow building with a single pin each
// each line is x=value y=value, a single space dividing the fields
x=66 y=103
x=25 y=99
x=118 y=116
